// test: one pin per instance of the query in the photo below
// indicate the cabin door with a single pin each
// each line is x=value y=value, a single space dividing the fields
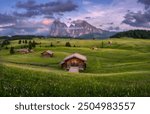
x=74 y=63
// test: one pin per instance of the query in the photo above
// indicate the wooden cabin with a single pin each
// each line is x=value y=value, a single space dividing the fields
x=24 y=51
x=74 y=63
x=47 y=54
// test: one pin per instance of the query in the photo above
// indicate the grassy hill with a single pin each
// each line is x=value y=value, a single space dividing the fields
x=118 y=69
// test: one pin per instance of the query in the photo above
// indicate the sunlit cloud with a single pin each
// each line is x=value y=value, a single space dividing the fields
x=47 y=21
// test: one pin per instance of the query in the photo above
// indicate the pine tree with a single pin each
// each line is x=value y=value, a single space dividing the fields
x=33 y=44
x=51 y=44
x=30 y=42
x=30 y=46
x=19 y=42
x=12 y=50
x=26 y=41
x=102 y=45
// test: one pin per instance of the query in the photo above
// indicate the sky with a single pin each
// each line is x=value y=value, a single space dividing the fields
x=21 y=17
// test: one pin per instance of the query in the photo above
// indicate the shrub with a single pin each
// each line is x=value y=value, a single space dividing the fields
x=6 y=47
x=68 y=44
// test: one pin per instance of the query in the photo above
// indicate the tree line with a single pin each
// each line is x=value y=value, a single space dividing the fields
x=141 y=34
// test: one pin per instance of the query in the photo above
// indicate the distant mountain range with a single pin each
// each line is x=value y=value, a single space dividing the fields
x=140 y=34
x=79 y=29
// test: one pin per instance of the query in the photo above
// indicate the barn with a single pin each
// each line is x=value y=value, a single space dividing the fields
x=47 y=53
x=74 y=63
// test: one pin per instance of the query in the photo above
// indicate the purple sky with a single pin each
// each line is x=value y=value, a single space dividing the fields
x=36 y=16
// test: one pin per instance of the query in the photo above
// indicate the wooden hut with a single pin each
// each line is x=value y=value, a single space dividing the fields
x=24 y=51
x=74 y=63
x=47 y=53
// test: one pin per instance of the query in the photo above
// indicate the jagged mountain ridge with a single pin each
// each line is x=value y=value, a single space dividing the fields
x=58 y=29
x=79 y=28
x=76 y=29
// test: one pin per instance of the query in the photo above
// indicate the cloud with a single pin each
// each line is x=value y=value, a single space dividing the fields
x=145 y=2
x=88 y=18
x=140 y=18
x=47 y=21
x=32 y=8
x=104 y=15
x=27 y=14
x=23 y=27
x=32 y=17
x=7 y=19
x=110 y=23
x=29 y=5
x=86 y=2
x=69 y=19
x=111 y=28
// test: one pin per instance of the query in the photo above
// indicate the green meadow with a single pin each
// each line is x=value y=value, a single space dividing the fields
x=121 y=68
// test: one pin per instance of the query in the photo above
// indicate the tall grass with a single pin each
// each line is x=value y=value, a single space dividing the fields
x=120 y=69
x=19 y=82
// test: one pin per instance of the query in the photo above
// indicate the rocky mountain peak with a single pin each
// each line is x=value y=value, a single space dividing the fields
x=58 y=29
x=76 y=29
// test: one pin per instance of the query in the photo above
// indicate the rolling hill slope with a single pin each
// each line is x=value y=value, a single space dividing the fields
x=119 y=69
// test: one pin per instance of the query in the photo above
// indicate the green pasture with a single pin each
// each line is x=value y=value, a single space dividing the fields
x=118 y=69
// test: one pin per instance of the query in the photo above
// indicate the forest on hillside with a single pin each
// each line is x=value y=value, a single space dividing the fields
x=141 y=34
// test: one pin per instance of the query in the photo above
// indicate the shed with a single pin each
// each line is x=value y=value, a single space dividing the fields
x=47 y=53
x=24 y=51
x=74 y=60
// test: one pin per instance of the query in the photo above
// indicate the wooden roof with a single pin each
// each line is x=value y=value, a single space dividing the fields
x=48 y=51
x=75 y=55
